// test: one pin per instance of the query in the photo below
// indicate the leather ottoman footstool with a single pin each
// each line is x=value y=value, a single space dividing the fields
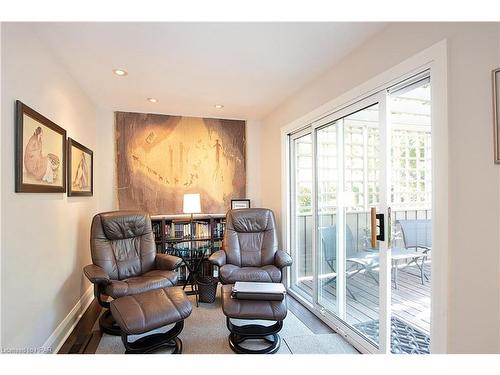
x=253 y=310
x=144 y=312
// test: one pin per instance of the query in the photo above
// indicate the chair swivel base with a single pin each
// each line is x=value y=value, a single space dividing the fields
x=153 y=342
x=108 y=325
x=239 y=334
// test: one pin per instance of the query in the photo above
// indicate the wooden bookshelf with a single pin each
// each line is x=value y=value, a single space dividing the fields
x=173 y=236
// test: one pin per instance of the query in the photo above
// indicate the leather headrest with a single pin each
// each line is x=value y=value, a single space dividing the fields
x=119 y=225
x=250 y=220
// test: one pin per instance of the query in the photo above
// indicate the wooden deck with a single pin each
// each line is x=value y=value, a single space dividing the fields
x=410 y=302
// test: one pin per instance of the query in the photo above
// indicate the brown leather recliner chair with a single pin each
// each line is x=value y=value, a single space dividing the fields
x=250 y=248
x=125 y=261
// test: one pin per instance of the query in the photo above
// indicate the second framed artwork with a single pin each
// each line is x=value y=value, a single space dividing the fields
x=80 y=169
x=240 y=203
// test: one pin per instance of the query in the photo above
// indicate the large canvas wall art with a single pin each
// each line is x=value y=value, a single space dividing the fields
x=160 y=158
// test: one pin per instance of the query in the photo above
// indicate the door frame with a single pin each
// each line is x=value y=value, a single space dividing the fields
x=433 y=59
x=291 y=138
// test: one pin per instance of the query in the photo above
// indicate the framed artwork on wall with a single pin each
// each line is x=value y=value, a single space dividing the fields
x=240 y=203
x=40 y=153
x=496 y=112
x=159 y=158
x=80 y=170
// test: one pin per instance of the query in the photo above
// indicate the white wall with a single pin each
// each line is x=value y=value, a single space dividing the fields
x=105 y=167
x=253 y=162
x=45 y=241
x=474 y=196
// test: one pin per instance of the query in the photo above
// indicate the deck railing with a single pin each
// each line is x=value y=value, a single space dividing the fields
x=359 y=224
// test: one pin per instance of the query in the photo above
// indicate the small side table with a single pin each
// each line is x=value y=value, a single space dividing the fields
x=193 y=263
x=409 y=256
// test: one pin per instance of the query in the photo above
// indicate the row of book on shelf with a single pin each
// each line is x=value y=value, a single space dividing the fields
x=182 y=230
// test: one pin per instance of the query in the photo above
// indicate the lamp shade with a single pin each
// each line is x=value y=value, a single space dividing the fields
x=192 y=204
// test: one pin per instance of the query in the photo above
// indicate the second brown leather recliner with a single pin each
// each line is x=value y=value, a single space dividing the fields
x=250 y=248
x=125 y=261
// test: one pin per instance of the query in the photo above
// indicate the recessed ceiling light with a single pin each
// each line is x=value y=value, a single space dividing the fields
x=219 y=106
x=120 y=72
x=153 y=100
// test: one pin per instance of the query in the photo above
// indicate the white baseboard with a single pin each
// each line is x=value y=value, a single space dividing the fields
x=64 y=329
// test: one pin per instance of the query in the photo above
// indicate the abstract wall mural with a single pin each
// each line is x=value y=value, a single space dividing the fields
x=160 y=158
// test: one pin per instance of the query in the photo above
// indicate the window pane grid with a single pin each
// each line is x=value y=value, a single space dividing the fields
x=411 y=168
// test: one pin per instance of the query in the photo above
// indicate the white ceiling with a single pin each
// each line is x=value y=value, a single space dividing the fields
x=250 y=68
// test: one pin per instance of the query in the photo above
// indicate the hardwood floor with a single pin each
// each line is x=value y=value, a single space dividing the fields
x=83 y=340
x=310 y=320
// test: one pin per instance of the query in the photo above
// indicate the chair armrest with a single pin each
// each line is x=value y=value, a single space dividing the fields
x=425 y=249
x=167 y=262
x=96 y=274
x=282 y=259
x=218 y=258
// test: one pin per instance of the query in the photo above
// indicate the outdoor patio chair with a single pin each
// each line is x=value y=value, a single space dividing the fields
x=417 y=235
x=356 y=260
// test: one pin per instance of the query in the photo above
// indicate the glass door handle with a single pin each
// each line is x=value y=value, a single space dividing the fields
x=373 y=227
x=374 y=217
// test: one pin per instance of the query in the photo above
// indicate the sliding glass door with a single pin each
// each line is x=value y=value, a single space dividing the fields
x=411 y=201
x=335 y=179
x=341 y=228
x=327 y=194
x=348 y=174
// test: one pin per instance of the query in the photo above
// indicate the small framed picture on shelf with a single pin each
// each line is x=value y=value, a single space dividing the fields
x=240 y=203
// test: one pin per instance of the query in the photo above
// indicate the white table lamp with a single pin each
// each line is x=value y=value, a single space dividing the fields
x=192 y=204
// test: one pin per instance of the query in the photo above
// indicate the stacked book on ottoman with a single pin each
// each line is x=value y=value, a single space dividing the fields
x=258 y=291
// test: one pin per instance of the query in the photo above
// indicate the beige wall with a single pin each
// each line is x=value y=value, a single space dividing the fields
x=44 y=239
x=474 y=195
x=106 y=169
x=253 y=157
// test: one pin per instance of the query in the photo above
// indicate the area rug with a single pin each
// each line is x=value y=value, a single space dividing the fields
x=205 y=332
x=319 y=344
x=405 y=339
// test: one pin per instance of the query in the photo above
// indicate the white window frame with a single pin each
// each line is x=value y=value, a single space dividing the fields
x=433 y=59
x=292 y=196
